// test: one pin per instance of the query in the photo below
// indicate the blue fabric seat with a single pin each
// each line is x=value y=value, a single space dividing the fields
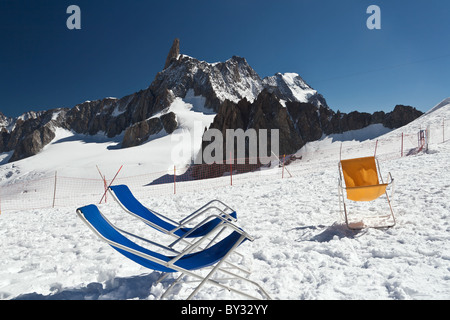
x=126 y=198
x=131 y=250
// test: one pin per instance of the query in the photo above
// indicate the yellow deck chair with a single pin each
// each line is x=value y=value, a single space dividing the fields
x=362 y=183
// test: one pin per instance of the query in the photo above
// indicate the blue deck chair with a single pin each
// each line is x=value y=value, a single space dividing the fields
x=123 y=195
x=185 y=262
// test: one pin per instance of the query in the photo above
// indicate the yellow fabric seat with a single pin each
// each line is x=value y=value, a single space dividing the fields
x=362 y=183
x=361 y=179
x=366 y=193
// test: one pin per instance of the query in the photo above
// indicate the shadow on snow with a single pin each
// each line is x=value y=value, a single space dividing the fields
x=134 y=287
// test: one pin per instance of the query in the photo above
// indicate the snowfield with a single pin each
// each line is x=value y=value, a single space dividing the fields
x=302 y=250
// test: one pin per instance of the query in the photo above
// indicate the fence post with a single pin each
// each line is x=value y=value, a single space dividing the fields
x=174 y=179
x=376 y=145
x=105 y=185
x=401 y=152
x=54 y=189
x=110 y=184
x=231 y=169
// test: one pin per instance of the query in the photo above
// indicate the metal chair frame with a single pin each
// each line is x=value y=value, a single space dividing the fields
x=187 y=251
x=342 y=203
x=223 y=215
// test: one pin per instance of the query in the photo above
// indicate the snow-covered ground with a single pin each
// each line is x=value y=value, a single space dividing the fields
x=302 y=249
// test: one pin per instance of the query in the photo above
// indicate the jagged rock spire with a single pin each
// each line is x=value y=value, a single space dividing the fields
x=173 y=53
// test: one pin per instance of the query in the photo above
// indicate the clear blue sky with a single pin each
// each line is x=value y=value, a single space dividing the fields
x=123 y=44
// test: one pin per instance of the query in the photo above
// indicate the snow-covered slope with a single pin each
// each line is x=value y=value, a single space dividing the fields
x=442 y=104
x=302 y=250
x=77 y=155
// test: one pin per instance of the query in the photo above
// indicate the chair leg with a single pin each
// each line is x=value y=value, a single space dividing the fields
x=342 y=204
x=392 y=211
x=162 y=277
x=391 y=214
x=216 y=267
x=171 y=286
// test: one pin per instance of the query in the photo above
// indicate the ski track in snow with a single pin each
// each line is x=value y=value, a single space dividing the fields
x=302 y=249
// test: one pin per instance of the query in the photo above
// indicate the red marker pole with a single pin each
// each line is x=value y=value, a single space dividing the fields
x=231 y=169
x=104 y=194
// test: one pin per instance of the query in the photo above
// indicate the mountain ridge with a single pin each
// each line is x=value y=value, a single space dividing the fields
x=233 y=82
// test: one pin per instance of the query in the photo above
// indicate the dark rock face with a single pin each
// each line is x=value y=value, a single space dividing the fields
x=169 y=122
x=110 y=115
x=31 y=133
x=402 y=115
x=141 y=131
x=268 y=113
x=265 y=113
x=299 y=123
x=33 y=143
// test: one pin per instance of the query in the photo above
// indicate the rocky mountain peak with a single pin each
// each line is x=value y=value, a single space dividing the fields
x=231 y=80
x=174 y=52
x=5 y=122
x=292 y=87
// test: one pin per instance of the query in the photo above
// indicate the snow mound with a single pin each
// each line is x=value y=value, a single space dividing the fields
x=443 y=103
